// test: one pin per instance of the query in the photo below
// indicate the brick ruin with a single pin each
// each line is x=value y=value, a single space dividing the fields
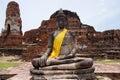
x=40 y=35
x=12 y=33
x=90 y=42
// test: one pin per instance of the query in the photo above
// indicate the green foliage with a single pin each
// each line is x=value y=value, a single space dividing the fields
x=8 y=64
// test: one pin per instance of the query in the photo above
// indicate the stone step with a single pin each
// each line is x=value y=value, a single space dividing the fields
x=52 y=72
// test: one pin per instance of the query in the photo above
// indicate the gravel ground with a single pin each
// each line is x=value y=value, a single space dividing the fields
x=106 y=68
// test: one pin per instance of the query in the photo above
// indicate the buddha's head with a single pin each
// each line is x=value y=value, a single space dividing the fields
x=61 y=19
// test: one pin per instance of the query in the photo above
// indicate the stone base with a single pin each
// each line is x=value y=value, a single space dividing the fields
x=86 y=74
x=64 y=76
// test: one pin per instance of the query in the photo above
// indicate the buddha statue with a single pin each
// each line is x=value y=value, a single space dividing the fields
x=60 y=54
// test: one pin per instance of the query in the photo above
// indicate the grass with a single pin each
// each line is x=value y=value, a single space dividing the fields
x=109 y=61
x=5 y=62
x=5 y=65
x=101 y=78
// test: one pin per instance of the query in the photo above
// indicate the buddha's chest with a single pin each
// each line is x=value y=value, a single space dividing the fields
x=67 y=44
x=67 y=38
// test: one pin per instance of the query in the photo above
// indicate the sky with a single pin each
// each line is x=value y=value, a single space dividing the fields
x=101 y=14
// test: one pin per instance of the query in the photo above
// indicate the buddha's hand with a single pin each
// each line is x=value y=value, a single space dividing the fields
x=68 y=56
x=42 y=61
x=61 y=57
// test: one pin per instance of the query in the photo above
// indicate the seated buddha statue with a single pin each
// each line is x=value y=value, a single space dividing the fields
x=61 y=48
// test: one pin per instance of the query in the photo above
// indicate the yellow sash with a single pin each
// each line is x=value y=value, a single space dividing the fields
x=57 y=44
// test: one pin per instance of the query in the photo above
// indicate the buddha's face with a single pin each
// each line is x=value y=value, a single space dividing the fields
x=61 y=22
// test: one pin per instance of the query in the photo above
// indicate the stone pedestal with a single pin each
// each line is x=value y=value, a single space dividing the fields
x=47 y=73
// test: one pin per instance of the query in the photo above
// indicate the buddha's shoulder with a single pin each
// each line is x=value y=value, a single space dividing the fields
x=55 y=33
x=69 y=33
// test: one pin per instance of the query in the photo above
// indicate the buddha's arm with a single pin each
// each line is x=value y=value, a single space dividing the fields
x=72 y=54
x=73 y=42
x=44 y=58
x=47 y=53
x=50 y=43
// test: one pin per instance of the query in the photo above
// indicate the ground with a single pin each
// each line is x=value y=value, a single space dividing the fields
x=22 y=70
